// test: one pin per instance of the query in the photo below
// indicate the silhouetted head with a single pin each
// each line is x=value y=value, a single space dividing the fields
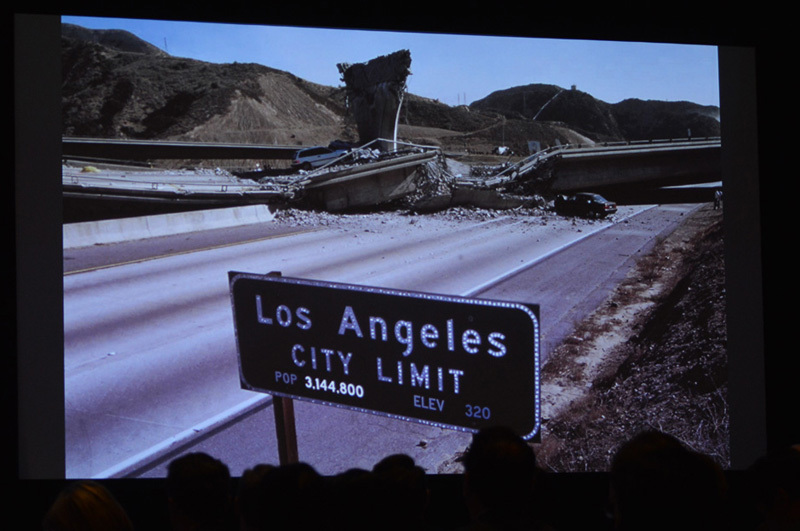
x=294 y=497
x=500 y=469
x=657 y=483
x=250 y=497
x=775 y=483
x=198 y=488
x=403 y=490
x=86 y=506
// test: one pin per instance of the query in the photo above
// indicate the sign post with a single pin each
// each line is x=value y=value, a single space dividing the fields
x=285 y=430
x=441 y=360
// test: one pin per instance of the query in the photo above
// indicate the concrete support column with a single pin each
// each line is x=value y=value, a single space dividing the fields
x=375 y=92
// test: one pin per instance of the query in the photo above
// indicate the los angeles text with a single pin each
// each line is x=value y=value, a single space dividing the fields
x=402 y=343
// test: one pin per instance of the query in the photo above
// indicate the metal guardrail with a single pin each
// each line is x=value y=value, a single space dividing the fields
x=164 y=149
x=110 y=148
x=155 y=185
x=361 y=152
x=643 y=145
x=85 y=180
x=536 y=160
x=382 y=160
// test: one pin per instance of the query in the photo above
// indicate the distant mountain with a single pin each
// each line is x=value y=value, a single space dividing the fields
x=119 y=40
x=640 y=119
x=117 y=86
x=130 y=91
x=628 y=120
x=549 y=103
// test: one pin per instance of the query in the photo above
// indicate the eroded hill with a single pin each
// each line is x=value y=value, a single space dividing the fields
x=117 y=86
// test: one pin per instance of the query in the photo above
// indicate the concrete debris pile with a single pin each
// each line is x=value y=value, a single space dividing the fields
x=305 y=218
x=436 y=183
x=376 y=220
x=438 y=189
x=536 y=211
x=484 y=171
x=433 y=181
x=361 y=155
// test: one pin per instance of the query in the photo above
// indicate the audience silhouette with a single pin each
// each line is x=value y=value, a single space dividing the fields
x=403 y=488
x=775 y=483
x=655 y=483
x=86 y=506
x=199 y=493
x=500 y=482
x=293 y=498
x=355 y=501
x=248 y=504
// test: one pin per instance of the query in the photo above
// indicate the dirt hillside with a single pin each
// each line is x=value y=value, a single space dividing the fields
x=652 y=357
x=118 y=86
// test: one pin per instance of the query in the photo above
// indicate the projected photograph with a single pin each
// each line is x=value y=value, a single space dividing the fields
x=332 y=246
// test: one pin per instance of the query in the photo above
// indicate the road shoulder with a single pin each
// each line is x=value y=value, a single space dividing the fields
x=615 y=375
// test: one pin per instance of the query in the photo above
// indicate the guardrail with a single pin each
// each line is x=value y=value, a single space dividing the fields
x=166 y=149
x=209 y=185
x=365 y=153
x=169 y=186
x=536 y=160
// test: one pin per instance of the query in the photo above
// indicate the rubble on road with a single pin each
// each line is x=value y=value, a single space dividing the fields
x=436 y=182
x=418 y=178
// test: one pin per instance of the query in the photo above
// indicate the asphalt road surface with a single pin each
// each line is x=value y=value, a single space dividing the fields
x=150 y=355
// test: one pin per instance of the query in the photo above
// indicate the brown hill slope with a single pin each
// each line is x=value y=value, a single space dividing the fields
x=119 y=40
x=117 y=86
x=640 y=119
x=630 y=119
x=549 y=103
x=115 y=93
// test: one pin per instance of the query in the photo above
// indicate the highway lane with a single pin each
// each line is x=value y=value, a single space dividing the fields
x=149 y=348
x=585 y=273
x=332 y=439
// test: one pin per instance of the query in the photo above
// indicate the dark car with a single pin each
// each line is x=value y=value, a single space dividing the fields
x=585 y=204
x=313 y=157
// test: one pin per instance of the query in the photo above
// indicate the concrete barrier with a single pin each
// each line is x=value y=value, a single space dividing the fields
x=128 y=229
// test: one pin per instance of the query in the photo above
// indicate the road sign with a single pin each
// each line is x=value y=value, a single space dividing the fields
x=442 y=360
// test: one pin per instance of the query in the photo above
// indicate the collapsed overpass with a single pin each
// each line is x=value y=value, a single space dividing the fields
x=375 y=92
x=615 y=169
x=362 y=177
x=652 y=164
x=620 y=165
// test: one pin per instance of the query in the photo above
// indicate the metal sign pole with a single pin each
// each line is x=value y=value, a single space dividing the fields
x=285 y=430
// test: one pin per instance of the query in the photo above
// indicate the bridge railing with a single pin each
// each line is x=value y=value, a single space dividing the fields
x=656 y=143
x=536 y=160
x=367 y=151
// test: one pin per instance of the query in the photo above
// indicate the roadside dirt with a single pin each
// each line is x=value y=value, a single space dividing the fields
x=652 y=356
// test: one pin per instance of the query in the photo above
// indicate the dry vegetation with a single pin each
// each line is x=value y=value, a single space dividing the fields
x=653 y=356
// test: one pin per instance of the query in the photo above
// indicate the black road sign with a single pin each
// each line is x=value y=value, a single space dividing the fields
x=442 y=360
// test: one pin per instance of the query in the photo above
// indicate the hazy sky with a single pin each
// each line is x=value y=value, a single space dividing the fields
x=454 y=69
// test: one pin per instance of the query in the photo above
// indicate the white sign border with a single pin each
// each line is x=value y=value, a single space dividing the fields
x=235 y=276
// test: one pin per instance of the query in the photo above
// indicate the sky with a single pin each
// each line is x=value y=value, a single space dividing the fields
x=454 y=69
